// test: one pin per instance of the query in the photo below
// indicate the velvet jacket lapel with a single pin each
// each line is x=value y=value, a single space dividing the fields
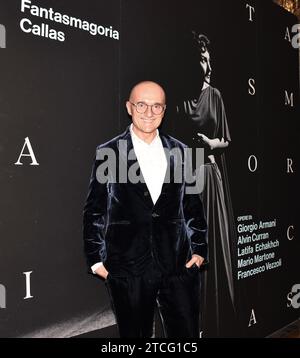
x=130 y=159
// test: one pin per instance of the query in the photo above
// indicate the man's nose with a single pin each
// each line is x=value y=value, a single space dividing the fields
x=149 y=111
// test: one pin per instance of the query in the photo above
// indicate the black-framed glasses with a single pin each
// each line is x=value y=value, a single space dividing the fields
x=156 y=108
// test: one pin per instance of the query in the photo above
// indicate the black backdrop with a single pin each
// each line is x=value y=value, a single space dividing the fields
x=67 y=97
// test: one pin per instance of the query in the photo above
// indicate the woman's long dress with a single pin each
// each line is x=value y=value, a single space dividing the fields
x=207 y=115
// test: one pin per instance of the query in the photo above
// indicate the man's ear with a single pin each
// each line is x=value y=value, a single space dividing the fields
x=129 y=108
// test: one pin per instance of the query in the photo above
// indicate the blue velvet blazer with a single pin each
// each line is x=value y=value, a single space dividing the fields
x=126 y=231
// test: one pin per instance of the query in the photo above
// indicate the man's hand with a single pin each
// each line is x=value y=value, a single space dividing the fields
x=102 y=272
x=196 y=259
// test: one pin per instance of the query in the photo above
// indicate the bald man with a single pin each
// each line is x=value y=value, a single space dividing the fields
x=146 y=238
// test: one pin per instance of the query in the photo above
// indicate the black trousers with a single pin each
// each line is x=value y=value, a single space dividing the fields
x=135 y=298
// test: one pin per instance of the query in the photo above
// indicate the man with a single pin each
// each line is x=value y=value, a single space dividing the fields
x=146 y=238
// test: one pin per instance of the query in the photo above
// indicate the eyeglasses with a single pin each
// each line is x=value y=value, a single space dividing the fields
x=156 y=108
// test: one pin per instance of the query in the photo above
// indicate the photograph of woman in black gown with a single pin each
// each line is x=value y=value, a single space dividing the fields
x=201 y=122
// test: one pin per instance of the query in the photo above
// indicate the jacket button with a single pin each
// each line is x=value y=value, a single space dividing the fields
x=155 y=215
x=146 y=193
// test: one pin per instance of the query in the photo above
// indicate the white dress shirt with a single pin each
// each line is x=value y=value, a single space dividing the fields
x=152 y=161
x=153 y=164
